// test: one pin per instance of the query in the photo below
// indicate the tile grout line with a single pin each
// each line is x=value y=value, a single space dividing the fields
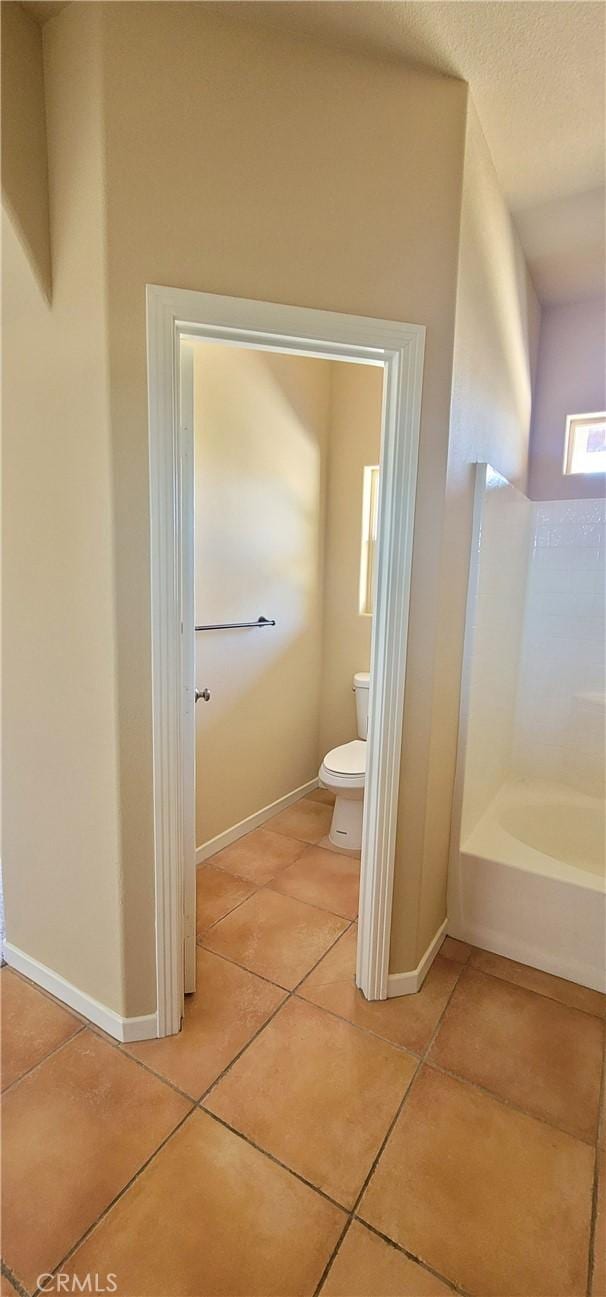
x=336 y=1249
x=332 y=1013
x=48 y=995
x=196 y=1105
x=228 y=960
x=12 y=1278
x=267 y=887
x=123 y=1049
x=601 y=1017
x=36 y=1292
x=349 y=923
x=412 y=1256
x=255 y=888
x=247 y=1139
x=353 y=1213
x=596 y=1178
x=507 y=1103
x=82 y=1026
x=289 y=995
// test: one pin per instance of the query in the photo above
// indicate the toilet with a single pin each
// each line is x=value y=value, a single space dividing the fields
x=343 y=771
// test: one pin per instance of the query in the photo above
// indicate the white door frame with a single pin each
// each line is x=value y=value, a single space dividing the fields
x=171 y=314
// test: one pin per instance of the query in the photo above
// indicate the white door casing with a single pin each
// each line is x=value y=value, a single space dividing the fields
x=172 y=316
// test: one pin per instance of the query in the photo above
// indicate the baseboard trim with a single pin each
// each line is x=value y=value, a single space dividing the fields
x=252 y=822
x=126 y=1030
x=409 y=983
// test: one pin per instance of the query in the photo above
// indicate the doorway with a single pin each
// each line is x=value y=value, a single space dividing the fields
x=174 y=317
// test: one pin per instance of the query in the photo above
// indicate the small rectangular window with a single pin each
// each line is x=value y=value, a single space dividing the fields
x=370 y=516
x=585 y=443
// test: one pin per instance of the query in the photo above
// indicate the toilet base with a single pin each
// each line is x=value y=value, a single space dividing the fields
x=346 y=825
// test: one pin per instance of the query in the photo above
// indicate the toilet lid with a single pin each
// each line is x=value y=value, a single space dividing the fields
x=349 y=759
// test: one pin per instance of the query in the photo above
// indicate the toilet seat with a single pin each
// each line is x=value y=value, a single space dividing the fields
x=348 y=759
x=345 y=766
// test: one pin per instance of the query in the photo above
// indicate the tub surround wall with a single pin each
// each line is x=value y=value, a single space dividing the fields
x=560 y=716
x=499 y=570
x=535 y=674
x=529 y=824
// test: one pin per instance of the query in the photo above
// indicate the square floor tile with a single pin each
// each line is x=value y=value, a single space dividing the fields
x=74 y=1132
x=367 y=1266
x=275 y=936
x=407 y=1020
x=32 y=1025
x=259 y=856
x=556 y=988
x=213 y=1217
x=228 y=1007
x=534 y=1052
x=495 y=1201
x=323 y=878
x=217 y=893
x=306 y=820
x=457 y=950
x=318 y=1094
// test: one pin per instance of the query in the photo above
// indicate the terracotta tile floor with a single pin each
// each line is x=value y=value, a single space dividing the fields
x=295 y=1139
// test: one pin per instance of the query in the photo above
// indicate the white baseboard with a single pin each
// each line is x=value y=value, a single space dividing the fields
x=125 y=1030
x=252 y=822
x=409 y=983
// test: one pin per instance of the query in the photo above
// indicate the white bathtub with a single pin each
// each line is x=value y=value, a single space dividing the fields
x=529 y=881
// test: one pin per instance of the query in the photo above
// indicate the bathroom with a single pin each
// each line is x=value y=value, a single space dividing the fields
x=286 y=494
x=528 y=845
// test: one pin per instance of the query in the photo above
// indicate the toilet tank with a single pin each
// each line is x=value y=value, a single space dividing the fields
x=361 y=682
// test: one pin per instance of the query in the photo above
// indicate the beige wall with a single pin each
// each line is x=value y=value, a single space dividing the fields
x=375 y=233
x=571 y=379
x=61 y=832
x=261 y=424
x=354 y=440
x=235 y=162
x=24 y=150
x=496 y=332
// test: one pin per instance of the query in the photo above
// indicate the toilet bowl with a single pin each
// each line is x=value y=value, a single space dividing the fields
x=343 y=771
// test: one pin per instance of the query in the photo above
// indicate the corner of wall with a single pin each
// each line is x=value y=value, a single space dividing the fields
x=24 y=151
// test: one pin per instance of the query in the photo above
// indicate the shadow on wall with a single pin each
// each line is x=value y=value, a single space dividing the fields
x=25 y=170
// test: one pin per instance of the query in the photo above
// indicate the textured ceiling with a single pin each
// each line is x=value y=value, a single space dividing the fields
x=537 y=74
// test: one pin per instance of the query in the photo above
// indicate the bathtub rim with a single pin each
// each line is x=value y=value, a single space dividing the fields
x=490 y=840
